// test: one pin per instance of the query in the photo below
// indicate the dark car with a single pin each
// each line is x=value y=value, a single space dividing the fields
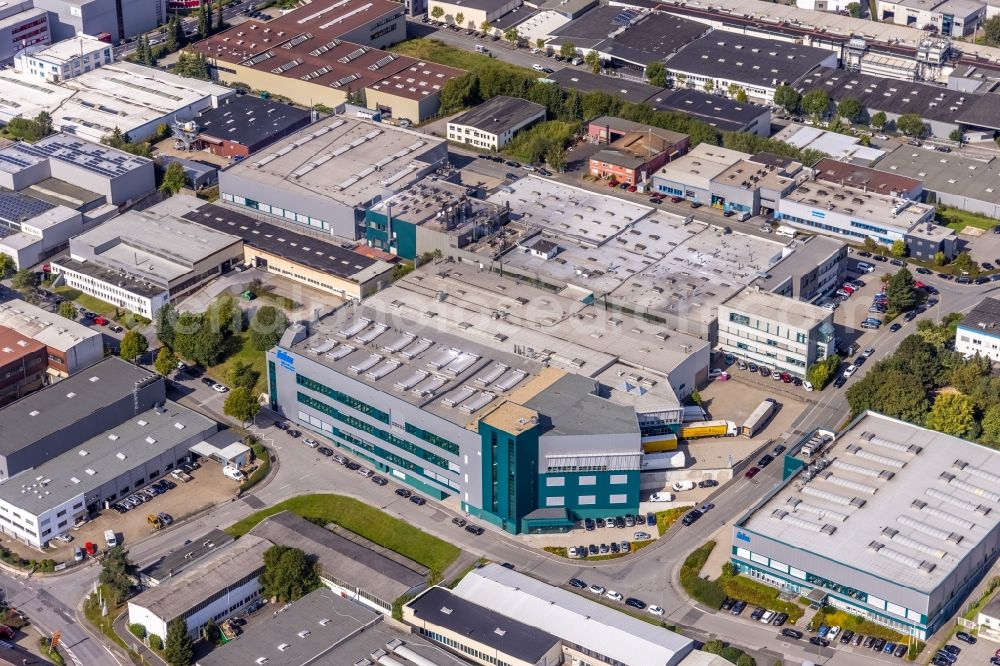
x=324 y=451
x=923 y=271
x=354 y=467
x=511 y=176
x=690 y=517
x=966 y=638
x=588 y=524
x=778 y=450
x=403 y=492
x=294 y=434
x=620 y=523
x=577 y=583
x=792 y=633
x=418 y=500
x=727 y=603
x=635 y=603
x=839 y=381
x=780 y=619
x=821 y=642
x=474 y=529
x=708 y=483
x=461 y=522
x=758 y=613
x=879 y=257
x=738 y=607
x=765 y=461
x=379 y=480
x=650 y=519
x=513 y=164
x=208 y=381
x=752 y=472
x=897 y=262
x=899 y=651
x=507 y=565
x=878 y=645
x=952 y=649
x=864 y=254
x=593 y=549
x=895 y=327
x=846 y=637
x=695 y=204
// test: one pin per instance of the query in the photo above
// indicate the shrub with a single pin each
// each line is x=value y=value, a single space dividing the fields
x=137 y=630
x=155 y=642
x=704 y=590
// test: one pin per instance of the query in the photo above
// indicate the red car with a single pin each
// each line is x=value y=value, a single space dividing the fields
x=676 y=199
x=7 y=632
x=787 y=378
x=100 y=321
x=752 y=472
x=90 y=548
x=613 y=183
x=920 y=285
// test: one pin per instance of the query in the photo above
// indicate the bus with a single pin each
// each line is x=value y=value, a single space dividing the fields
x=759 y=418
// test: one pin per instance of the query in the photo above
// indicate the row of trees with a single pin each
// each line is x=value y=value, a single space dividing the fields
x=122 y=141
x=546 y=140
x=818 y=105
x=192 y=66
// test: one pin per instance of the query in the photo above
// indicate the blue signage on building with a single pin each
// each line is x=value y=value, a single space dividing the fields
x=286 y=359
x=817 y=213
x=743 y=536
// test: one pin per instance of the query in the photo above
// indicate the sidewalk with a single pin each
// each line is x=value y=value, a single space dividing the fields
x=723 y=538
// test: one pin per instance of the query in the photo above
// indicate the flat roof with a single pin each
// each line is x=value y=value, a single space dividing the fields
x=701 y=165
x=225 y=566
x=751 y=60
x=349 y=160
x=893 y=96
x=722 y=113
x=896 y=501
x=344 y=560
x=439 y=607
x=178 y=244
x=50 y=328
x=48 y=410
x=316 y=253
x=120 y=94
x=325 y=629
x=427 y=203
x=838 y=146
x=861 y=177
x=336 y=16
x=182 y=557
x=418 y=80
x=70 y=49
x=984 y=111
x=572 y=617
x=985 y=316
x=17 y=208
x=805 y=254
x=574 y=408
x=868 y=205
x=631 y=34
x=497 y=114
x=102 y=459
x=249 y=120
x=71 y=150
x=774 y=307
x=585 y=82
x=14 y=345
x=60 y=193
x=947 y=172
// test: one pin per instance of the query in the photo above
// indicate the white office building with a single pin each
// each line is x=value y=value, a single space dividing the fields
x=64 y=60
x=979 y=331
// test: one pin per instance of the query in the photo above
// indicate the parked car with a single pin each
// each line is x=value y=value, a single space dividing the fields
x=403 y=492
x=577 y=583
x=418 y=500
x=380 y=480
x=791 y=633
x=635 y=603
x=966 y=637
x=708 y=483
x=311 y=443
x=474 y=529
x=752 y=472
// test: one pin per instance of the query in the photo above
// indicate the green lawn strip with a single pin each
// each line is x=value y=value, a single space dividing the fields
x=562 y=551
x=92 y=611
x=832 y=617
x=244 y=352
x=959 y=219
x=95 y=305
x=665 y=519
x=433 y=50
x=759 y=594
x=366 y=521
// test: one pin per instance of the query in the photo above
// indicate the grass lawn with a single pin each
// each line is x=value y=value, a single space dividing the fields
x=95 y=305
x=280 y=301
x=833 y=617
x=434 y=50
x=243 y=352
x=92 y=611
x=664 y=519
x=959 y=219
x=366 y=521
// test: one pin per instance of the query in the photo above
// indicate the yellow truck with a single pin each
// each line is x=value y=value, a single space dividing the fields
x=659 y=443
x=708 y=429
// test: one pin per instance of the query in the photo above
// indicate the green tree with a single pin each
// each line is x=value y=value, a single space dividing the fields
x=165 y=319
x=178 y=650
x=7 y=265
x=437 y=13
x=242 y=375
x=288 y=574
x=911 y=124
x=815 y=103
x=991 y=31
x=25 y=279
x=822 y=372
x=173 y=178
x=879 y=120
x=917 y=358
x=956 y=135
x=567 y=50
x=203 y=24
x=741 y=97
x=594 y=61
x=116 y=574
x=485 y=27
x=964 y=264
x=241 y=404
x=854 y=9
x=267 y=327
x=900 y=291
x=555 y=157
x=196 y=338
x=952 y=414
x=656 y=74
x=155 y=642
x=745 y=660
x=165 y=361
x=940 y=259
x=43 y=121
x=890 y=392
x=67 y=309
x=512 y=36
x=939 y=336
x=968 y=373
x=991 y=426
x=714 y=647
x=849 y=109
x=899 y=249
x=539 y=43
x=787 y=98
x=460 y=19
x=133 y=345
x=709 y=85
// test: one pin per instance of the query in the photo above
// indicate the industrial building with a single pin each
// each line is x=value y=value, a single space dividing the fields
x=479 y=633
x=691 y=177
x=313 y=262
x=884 y=180
x=120 y=19
x=32 y=230
x=64 y=60
x=949 y=18
x=429 y=216
x=634 y=150
x=493 y=123
x=474 y=12
x=22 y=25
x=325 y=629
x=325 y=176
x=373 y=578
x=122 y=95
x=23 y=364
x=758 y=66
x=949 y=179
x=812 y=268
x=627 y=90
x=979 y=331
x=891 y=522
x=755 y=184
x=840 y=147
x=245 y=124
x=183 y=557
x=212 y=590
x=589 y=630
x=777 y=332
x=412 y=93
x=70 y=346
x=462 y=384
x=142 y=260
x=722 y=113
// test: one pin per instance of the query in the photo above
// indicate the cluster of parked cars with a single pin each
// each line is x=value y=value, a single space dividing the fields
x=948 y=655
x=621 y=522
x=602 y=591
x=514 y=165
x=144 y=495
x=457 y=520
x=615 y=548
x=776 y=375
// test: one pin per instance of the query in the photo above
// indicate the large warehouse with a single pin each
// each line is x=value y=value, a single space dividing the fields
x=326 y=175
x=71 y=346
x=894 y=522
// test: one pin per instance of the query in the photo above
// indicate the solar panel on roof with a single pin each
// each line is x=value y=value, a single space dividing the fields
x=16 y=207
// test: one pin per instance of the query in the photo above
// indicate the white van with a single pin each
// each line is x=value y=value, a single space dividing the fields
x=110 y=538
x=233 y=473
x=661 y=497
x=680 y=486
x=786 y=231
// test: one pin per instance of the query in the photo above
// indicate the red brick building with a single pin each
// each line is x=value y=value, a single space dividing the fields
x=634 y=150
x=23 y=365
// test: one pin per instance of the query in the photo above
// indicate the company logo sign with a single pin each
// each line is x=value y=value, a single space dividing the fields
x=287 y=360
x=743 y=536
x=819 y=214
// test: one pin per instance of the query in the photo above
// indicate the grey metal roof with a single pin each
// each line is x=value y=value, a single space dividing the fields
x=573 y=618
x=984 y=317
x=585 y=82
x=948 y=173
x=636 y=37
x=185 y=556
x=984 y=111
x=383 y=576
x=439 y=607
x=746 y=59
x=722 y=113
x=325 y=629
x=98 y=460
x=53 y=411
x=570 y=407
x=499 y=113
x=226 y=566
x=251 y=121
